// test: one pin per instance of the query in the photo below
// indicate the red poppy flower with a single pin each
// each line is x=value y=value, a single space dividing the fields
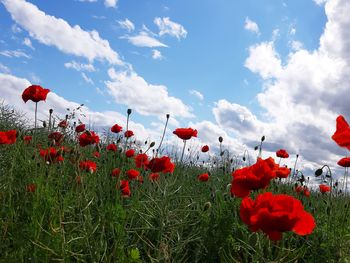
x=129 y=134
x=63 y=124
x=96 y=154
x=163 y=164
x=342 y=134
x=50 y=155
x=115 y=172
x=140 y=179
x=203 y=177
x=282 y=172
x=30 y=188
x=132 y=174
x=282 y=153
x=88 y=166
x=80 y=128
x=185 y=133
x=205 y=148
x=116 y=128
x=254 y=177
x=344 y=162
x=275 y=214
x=111 y=147
x=35 y=93
x=124 y=188
x=27 y=139
x=324 y=188
x=141 y=160
x=88 y=138
x=154 y=177
x=8 y=137
x=56 y=138
x=306 y=192
x=298 y=188
x=130 y=153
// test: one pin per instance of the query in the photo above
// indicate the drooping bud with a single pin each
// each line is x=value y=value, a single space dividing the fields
x=263 y=138
x=152 y=144
x=318 y=172
x=221 y=139
x=129 y=111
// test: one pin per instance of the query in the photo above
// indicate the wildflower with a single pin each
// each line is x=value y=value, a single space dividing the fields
x=115 y=172
x=111 y=147
x=324 y=188
x=30 y=188
x=96 y=154
x=129 y=134
x=203 y=177
x=282 y=172
x=163 y=164
x=27 y=139
x=56 y=138
x=124 y=188
x=282 y=153
x=50 y=155
x=130 y=153
x=344 y=162
x=256 y=176
x=154 y=177
x=132 y=174
x=141 y=160
x=205 y=148
x=80 y=128
x=275 y=214
x=35 y=93
x=185 y=133
x=342 y=134
x=63 y=124
x=8 y=137
x=88 y=138
x=88 y=166
x=116 y=128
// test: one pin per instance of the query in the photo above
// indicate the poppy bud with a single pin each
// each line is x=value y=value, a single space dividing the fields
x=145 y=142
x=243 y=158
x=129 y=111
x=318 y=172
x=231 y=161
x=256 y=148
x=263 y=138
x=50 y=111
x=66 y=116
x=221 y=153
x=44 y=124
x=221 y=139
x=297 y=155
x=152 y=144
x=167 y=116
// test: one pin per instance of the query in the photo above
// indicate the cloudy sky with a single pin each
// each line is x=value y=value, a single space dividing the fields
x=238 y=69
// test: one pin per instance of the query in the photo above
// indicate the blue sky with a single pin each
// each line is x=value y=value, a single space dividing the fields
x=238 y=69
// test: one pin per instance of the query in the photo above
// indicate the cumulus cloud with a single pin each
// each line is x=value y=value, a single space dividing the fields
x=252 y=26
x=79 y=66
x=28 y=43
x=144 y=39
x=130 y=89
x=127 y=24
x=168 y=27
x=196 y=93
x=53 y=31
x=264 y=60
x=111 y=3
x=157 y=55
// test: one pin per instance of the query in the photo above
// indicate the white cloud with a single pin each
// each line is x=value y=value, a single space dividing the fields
x=127 y=24
x=87 y=79
x=28 y=43
x=130 y=89
x=16 y=29
x=4 y=69
x=263 y=59
x=14 y=54
x=111 y=3
x=166 y=26
x=320 y=2
x=197 y=94
x=53 y=31
x=296 y=45
x=80 y=66
x=251 y=26
x=143 y=39
x=156 y=54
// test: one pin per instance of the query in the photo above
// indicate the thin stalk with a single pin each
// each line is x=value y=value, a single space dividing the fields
x=161 y=141
x=183 y=151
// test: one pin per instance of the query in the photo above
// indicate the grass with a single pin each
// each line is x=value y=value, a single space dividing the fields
x=177 y=219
